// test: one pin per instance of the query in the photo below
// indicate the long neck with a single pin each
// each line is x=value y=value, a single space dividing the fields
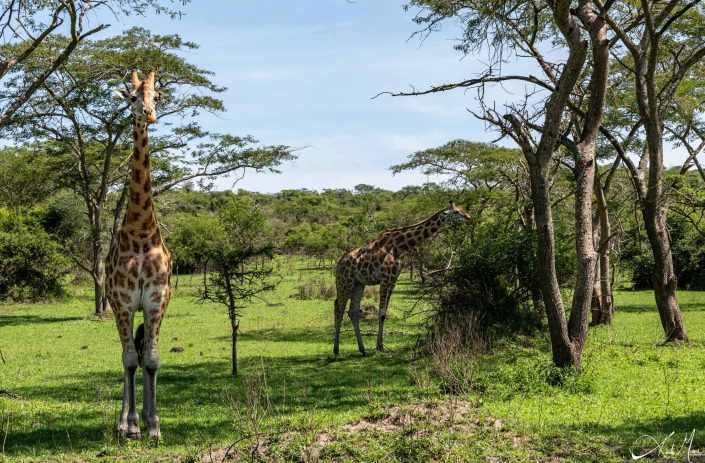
x=405 y=238
x=140 y=221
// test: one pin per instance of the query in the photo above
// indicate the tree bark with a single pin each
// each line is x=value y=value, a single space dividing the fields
x=568 y=337
x=234 y=326
x=664 y=277
x=602 y=305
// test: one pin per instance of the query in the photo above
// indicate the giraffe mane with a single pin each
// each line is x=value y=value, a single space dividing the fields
x=407 y=227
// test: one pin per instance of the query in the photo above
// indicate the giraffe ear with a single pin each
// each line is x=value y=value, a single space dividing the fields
x=135 y=80
x=122 y=93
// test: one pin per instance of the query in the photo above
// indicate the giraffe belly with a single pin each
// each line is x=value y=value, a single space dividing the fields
x=367 y=279
x=143 y=286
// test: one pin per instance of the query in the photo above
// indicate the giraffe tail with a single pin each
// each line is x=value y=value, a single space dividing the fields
x=139 y=342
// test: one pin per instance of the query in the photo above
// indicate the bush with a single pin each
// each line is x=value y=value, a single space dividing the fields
x=494 y=282
x=316 y=289
x=31 y=266
x=454 y=343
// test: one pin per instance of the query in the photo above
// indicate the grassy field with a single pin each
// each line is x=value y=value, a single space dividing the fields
x=291 y=403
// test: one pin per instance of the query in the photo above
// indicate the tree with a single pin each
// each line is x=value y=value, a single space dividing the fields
x=27 y=25
x=234 y=281
x=656 y=44
x=31 y=266
x=491 y=178
x=20 y=167
x=515 y=28
x=86 y=134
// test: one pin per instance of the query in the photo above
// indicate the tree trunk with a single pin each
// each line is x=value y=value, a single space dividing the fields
x=561 y=346
x=664 y=277
x=602 y=306
x=98 y=275
x=234 y=327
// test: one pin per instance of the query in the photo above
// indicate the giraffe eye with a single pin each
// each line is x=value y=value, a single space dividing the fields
x=133 y=98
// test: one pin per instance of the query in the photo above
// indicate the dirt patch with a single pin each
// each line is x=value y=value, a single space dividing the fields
x=397 y=417
x=412 y=419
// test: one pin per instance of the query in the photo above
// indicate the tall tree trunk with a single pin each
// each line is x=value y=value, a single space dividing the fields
x=568 y=337
x=602 y=306
x=98 y=274
x=561 y=345
x=664 y=277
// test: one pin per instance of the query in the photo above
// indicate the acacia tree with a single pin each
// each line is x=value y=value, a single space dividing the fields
x=86 y=132
x=26 y=25
x=517 y=28
x=240 y=238
x=656 y=44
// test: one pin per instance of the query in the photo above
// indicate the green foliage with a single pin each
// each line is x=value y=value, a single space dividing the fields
x=19 y=170
x=31 y=265
x=493 y=280
x=235 y=254
x=192 y=238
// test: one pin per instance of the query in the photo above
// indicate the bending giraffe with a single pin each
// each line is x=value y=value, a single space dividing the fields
x=378 y=263
x=138 y=270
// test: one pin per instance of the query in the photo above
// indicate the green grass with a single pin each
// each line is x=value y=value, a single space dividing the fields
x=632 y=388
x=290 y=403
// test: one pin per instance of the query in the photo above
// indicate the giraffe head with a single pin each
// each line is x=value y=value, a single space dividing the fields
x=142 y=98
x=455 y=213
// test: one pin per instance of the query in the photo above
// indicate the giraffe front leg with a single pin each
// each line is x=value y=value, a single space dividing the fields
x=355 y=315
x=338 y=312
x=129 y=425
x=153 y=319
x=385 y=293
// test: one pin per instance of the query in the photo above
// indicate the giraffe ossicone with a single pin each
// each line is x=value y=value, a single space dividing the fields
x=378 y=263
x=138 y=269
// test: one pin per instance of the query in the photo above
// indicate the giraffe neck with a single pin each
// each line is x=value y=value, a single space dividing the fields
x=405 y=238
x=140 y=221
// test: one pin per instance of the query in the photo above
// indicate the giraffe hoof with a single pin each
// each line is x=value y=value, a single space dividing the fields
x=123 y=432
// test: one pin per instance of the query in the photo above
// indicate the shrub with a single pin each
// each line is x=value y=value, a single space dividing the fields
x=454 y=343
x=493 y=284
x=316 y=289
x=31 y=266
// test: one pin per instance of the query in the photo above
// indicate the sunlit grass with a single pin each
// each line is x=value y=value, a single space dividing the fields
x=65 y=365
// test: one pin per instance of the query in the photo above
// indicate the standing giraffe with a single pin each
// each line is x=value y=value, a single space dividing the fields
x=378 y=263
x=138 y=270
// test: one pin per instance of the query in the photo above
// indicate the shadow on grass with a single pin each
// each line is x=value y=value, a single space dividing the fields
x=16 y=320
x=196 y=401
x=637 y=434
x=651 y=307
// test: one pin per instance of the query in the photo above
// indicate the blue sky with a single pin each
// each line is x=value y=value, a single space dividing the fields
x=303 y=73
